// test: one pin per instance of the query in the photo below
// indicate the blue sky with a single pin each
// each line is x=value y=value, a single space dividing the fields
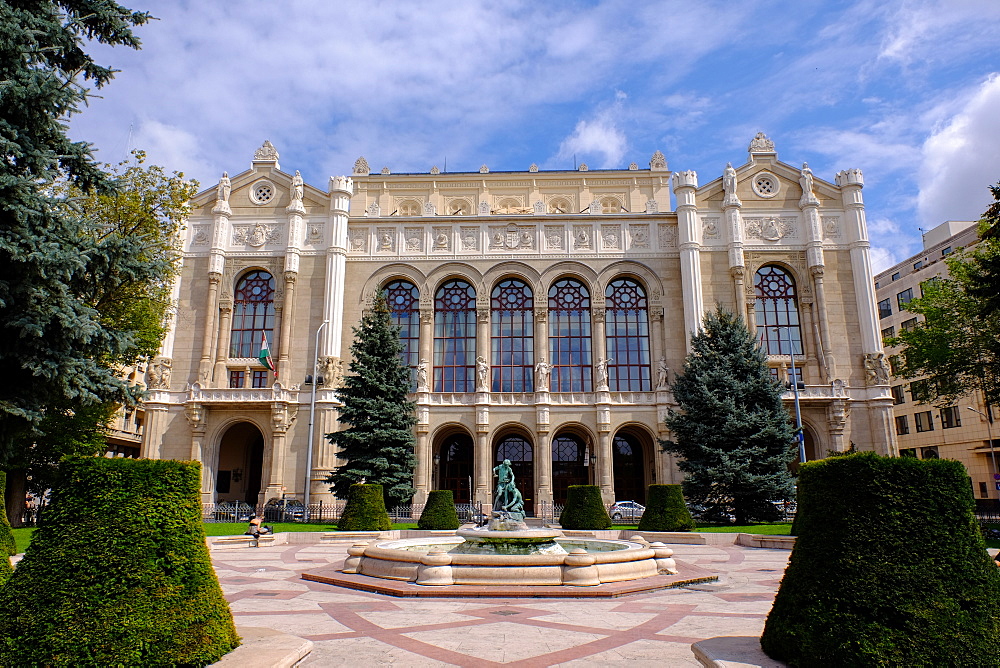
x=907 y=91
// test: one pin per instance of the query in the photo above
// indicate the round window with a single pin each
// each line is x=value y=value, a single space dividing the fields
x=766 y=184
x=262 y=192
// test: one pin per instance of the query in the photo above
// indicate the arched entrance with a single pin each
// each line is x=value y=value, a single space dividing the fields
x=569 y=465
x=453 y=466
x=241 y=459
x=628 y=457
x=519 y=451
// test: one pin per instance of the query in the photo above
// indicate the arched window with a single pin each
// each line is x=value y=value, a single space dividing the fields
x=627 y=331
x=455 y=337
x=403 y=299
x=409 y=207
x=569 y=465
x=569 y=337
x=253 y=314
x=629 y=476
x=610 y=205
x=455 y=467
x=559 y=205
x=512 y=328
x=776 y=311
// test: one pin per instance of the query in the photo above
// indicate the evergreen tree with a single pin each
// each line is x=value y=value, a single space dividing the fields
x=377 y=446
x=59 y=352
x=732 y=432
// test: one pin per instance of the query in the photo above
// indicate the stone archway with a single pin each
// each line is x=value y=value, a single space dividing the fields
x=518 y=450
x=453 y=465
x=239 y=469
x=628 y=453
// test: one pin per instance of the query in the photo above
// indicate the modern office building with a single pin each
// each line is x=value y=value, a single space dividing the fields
x=543 y=313
x=961 y=431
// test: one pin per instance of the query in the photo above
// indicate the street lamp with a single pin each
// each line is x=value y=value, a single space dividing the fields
x=993 y=454
x=312 y=415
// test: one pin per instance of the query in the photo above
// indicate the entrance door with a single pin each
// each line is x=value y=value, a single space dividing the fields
x=519 y=452
x=238 y=471
x=455 y=466
x=630 y=476
x=569 y=466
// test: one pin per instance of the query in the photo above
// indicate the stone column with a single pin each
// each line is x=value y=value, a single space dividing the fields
x=341 y=189
x=689 y=242
x=422 y=475
x=483 y=465
x=809 y=205
x=543 y=466
x=208 y=333
x=657 y=338
x=731 y=210
x=222 y=345
x=851 y=182
x=604 y=463
x=195 y=413
x=599 y=343
x=284 y=338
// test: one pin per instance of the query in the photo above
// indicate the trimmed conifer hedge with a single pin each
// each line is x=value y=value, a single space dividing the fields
x=439 y=511
x=118 y=573
x=889 y=568
x=666 y=510
x=7 y=546
x=365 y=510
x=584 y=509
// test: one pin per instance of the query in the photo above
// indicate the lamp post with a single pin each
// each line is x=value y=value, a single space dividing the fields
x=993 y=454
x=312 y=416
x=799 y=434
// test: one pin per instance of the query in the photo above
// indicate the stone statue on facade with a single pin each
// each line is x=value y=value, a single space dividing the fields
x=729 y=183
x=224 y=188
x=158 y=374
x=298 y=187
x=422 y=372
x=806 y=181
x=542 y=371
x=662 y=374
x=602 y=372
x=876 y=369
x=482 y=374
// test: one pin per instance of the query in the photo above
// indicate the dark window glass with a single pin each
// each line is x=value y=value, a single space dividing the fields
x=907 y=325
x=950 y=417
x=902 y=427
x=884 y=308
x=628 y=470
x=455 y=337
x=897 y=395
x=908 y=452
x=904 y=298
x=512 y=336
x=627 y=331
x=924 y=420
x=918 y=265
x=895 y=276
x=888 y=333
x=929 y=453
x=777 y=312
x=253 y=315
x=569 y=466
x=236 y=378
x=569 y=337
x=945 y=251
x=259 y=378
x=403 y=300
x=455 y=467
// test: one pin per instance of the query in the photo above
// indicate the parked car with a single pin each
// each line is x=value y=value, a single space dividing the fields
x=627 y=510
x=233 y=511
x=284 y=510
x=468 y=512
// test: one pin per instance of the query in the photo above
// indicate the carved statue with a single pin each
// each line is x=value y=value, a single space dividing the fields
x=222 y=192
x=729 y=181
x=482 y=374
x=602 y=372
x=507 y=498
x=806 y=181
x=876 y=369
x=158 y=374
x=542 y=371
x=662 y=374
x=298 y=187
x=422 y=371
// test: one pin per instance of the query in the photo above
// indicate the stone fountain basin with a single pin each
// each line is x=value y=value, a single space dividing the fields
x=433 y=561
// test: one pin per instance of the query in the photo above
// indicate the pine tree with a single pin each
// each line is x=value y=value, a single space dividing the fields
x=58 y=350
x=732 y=431
x=377 y=446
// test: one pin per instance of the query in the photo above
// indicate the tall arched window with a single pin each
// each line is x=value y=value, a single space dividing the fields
x=569 y=337
x=403 y=299
x=776 y=311
x=627 y=331
x=569 y=465
x=253 y=314
x=630 y=479
x=455 y=337
x=512 y=314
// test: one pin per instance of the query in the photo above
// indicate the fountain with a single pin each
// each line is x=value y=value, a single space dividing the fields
x=508 y=552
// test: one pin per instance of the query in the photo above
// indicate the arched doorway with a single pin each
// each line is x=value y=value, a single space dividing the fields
x=569 y=465
x=628 y=456
x=241 y=458
x=519 y=451
x=453 y=466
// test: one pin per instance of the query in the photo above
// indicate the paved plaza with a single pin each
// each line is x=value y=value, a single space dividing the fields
x=348 y=627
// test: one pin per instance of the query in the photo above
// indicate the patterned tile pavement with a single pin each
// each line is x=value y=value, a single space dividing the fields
x=364 y=629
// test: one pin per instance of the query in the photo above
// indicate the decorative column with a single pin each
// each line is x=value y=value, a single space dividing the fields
x=196 y=419
x=482 y=462
x=604 y=462
x=731 y=211
x=283 y=415
x=809 y=204
x=599 y=343
x=295 y=210
x=689 y=242
x=216 y=266
x=222 y=344
x=851 y=182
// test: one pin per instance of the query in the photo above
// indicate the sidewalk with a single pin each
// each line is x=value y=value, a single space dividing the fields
x=362 y=629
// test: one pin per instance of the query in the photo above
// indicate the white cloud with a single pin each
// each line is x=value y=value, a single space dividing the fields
x=598 y=139
x=883 y=258
x=962 y=158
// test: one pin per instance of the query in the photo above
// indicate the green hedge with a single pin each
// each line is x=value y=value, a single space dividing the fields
x=666 y=510
x=7 y=545
x=584 y=509
x=889 y=569
x=439 y=511
x=118 y=573
x=365 y=510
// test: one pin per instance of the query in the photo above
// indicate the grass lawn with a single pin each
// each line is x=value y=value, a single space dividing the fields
x=776 y=529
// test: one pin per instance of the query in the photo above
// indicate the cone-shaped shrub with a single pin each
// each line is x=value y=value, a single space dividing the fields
x=439 y=513
x=365 y=510
x=666 y=510
x=889 y=569
x=118 y=573
x=7 y=546
x=584 y=509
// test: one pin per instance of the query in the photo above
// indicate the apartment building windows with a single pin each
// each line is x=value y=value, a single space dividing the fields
x=951 y=417
x=924 y=421
x=884 y=308
x=902 y=426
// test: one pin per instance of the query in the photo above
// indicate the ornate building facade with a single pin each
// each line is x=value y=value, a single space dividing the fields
x=543 y=315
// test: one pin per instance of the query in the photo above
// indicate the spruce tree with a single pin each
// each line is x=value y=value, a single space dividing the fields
x=377 y=445
x=732 y=431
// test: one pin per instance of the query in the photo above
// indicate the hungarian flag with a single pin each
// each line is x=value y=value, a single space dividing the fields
x=265 y=354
